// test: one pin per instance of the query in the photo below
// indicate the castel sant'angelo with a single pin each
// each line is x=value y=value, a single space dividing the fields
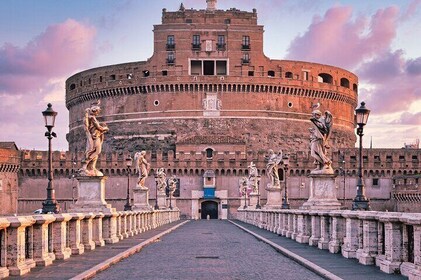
x=206 y=104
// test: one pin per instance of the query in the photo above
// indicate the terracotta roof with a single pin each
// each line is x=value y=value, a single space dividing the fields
x=211 y=139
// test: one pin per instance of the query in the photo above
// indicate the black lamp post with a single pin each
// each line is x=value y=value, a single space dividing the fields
x=258 y=206
x=361 y=202
x=156 y=207
x=170 y=194
x=285 y=203
x=343 y=173
x=50 y=205
x=128 y=206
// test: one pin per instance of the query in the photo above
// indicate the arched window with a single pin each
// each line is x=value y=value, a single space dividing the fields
x=344 y=82
x=288 y=75
x=271 y=73
x=325 y=78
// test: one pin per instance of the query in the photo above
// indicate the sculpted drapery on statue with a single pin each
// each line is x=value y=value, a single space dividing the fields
x=272 y=168
x=142 y=167
x=161 y=180
x=319 y=137
x=95 y=137
x=254 y=178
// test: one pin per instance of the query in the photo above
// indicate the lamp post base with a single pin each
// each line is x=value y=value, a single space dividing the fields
x=50 y=206
x=361 y=204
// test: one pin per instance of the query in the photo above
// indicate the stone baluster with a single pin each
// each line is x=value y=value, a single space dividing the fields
x=109 y=228
x=413 y=269
x=4 y=271
x=338 y=231
x=97 y=230
x=75 y=239
x=324 y=230
x=275 y=222
x=43 y=252
x=315 y=229
x=87 y=228
x=284 y=223
x=392 y=259
x=20 y=245
x=369 y=251
x=130 y=223
x=119 y=232
x=290 y=228
x=136 y=222
x=280 y=223
x=352 y=229
x=60 y=236
x=124 y=224
x=303 y=227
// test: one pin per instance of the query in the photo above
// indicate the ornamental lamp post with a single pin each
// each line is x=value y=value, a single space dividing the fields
x=156 y=207
x=128 y=206
x=258 y=206
x=285 y=203
x=50 y=205
x=361 y=202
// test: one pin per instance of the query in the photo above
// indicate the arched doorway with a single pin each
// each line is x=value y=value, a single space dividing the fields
x=209 y=208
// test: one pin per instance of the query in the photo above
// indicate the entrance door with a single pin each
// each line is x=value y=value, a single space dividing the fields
x=209 y=208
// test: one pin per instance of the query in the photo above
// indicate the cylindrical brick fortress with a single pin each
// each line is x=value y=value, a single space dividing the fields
x=209 y=76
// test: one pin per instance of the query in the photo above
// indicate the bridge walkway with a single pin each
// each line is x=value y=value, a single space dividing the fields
x=207 y=249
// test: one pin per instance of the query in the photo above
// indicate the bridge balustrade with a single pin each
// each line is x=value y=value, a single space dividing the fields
x=389 y=240
x=38 y=240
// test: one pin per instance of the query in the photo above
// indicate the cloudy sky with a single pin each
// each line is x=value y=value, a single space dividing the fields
x=42 y=42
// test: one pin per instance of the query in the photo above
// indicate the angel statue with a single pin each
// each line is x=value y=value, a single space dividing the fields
x=142 y=167
x=243 y=186
x=254 y=178
x=319 y=137
x=94 y=138
x=161 y=180
x=272 y=168
x=172 y=185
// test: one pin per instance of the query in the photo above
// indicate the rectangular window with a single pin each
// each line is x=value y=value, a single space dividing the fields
x=246 y=58
x=246 y=43
x=305 y=76
x=170 y=58
x=196 y=42
x=376 y=182
x=170 y=42
x=221 y=42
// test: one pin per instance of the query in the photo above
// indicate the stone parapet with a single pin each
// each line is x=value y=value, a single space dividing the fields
x=389 y=240
x=29 y=241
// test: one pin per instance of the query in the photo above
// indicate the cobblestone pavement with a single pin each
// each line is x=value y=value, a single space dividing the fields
x=207 y=249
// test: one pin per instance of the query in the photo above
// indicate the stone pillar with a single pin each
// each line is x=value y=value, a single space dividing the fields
x=369 y=250
x=322 y=193
x=162 y=199
x=86 y=229
x=324 y=230
x=294 y=225
x=4 y=224
x=109 y=228
x=61 y=248
x=76 y=246
x=290 y=228
x=304 y=227
x=315 y=229
x=43 y=254
x=253 y=200
x=285 y=222
x=338 y=232
x=280 y=223
x=392 y=259
x=19 y=261
x=97 y=230
x=273 y=198
x=91 y=195
x=351 y=242
x=141 y=199
x=413 y=270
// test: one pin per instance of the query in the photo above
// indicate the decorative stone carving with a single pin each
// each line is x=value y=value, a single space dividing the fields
x=142 y=168
x=95 y=137
x=254 y=178
x=161 y=180
x=319 y=136
x=272 y=169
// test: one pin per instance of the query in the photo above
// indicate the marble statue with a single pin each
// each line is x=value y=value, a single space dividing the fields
x=142 y=167
x=95 y=137
x=172 y=185
x=161 y=180
x=319 y=137
x=272 y=168
x=243 y=186
x=253 y=179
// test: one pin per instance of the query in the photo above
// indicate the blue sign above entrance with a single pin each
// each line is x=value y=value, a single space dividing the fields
x=209 y=192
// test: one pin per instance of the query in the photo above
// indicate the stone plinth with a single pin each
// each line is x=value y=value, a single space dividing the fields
x=141 y=199
x=254 y=197
x=322 y=193
x=274 y=198
x=162 y=200
x=91 y=195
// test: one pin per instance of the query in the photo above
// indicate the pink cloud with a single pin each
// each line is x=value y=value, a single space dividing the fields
x=61 y=49
x=339 y=39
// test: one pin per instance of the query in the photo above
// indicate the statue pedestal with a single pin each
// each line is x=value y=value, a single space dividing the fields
x=253 y=200
x=141 y=199
x=92 y=195
x=162 y=200
x=322 y=193
x=274 y=198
